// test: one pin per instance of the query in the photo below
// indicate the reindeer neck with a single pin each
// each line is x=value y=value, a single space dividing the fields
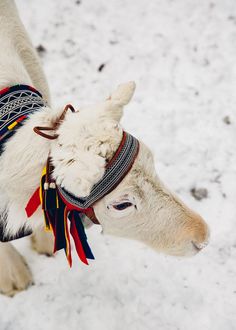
x=25 y=155
x=19 y=62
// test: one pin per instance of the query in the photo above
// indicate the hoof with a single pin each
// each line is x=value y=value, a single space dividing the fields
x=15 y=275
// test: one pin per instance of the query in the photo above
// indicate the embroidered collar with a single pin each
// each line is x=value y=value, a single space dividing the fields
x=16 y=104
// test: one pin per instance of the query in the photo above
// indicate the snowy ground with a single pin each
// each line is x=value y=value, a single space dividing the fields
x=182 y=56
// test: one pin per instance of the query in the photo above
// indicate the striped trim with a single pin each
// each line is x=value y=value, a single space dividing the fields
x=16 y=103
x=113 y=175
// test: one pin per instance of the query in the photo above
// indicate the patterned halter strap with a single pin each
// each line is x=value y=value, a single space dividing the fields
x=116 y=170
x=63 y=211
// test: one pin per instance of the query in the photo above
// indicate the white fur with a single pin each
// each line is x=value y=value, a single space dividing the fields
x=87 y=139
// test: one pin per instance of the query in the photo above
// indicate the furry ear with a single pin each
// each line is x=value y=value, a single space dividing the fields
x=123 y=94
x=120 y=97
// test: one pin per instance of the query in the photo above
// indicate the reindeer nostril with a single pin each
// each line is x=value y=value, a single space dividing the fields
x=200 y=246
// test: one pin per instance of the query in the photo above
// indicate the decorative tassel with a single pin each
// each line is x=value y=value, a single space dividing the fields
x=33 y=203
x=67 y=238
x=77 y=232
x=58 y=215
x=78 y=228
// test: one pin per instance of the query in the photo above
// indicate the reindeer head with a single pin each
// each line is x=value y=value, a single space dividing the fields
x=141 y=207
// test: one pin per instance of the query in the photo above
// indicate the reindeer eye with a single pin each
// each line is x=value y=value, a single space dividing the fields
x=122 y=206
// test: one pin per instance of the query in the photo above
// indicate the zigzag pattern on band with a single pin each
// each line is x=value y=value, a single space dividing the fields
x=18 y=101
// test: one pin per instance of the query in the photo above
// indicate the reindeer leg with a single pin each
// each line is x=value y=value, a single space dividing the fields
x=15 y=275
x=42 y=242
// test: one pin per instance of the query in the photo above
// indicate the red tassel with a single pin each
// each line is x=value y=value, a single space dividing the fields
x=33 y=203
x=78 y=244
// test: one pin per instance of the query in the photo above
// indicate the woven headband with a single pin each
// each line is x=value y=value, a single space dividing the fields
x=116 y=170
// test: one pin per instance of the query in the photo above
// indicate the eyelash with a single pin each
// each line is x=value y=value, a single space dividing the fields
x=122 y=206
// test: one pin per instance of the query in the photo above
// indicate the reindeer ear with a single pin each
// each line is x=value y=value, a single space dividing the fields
x=123 y=94
x=120 y=97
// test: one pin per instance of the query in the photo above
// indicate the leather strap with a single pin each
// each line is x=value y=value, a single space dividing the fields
x=40 y=129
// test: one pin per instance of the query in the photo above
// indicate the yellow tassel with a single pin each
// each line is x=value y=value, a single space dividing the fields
x=41 y=188
x=47 y=227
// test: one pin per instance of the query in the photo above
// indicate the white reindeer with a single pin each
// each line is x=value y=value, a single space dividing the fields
x=89 y=137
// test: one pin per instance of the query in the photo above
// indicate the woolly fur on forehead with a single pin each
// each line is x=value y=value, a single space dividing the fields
x=82 y=149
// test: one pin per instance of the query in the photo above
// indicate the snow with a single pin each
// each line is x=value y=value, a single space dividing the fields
x=182 y=56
